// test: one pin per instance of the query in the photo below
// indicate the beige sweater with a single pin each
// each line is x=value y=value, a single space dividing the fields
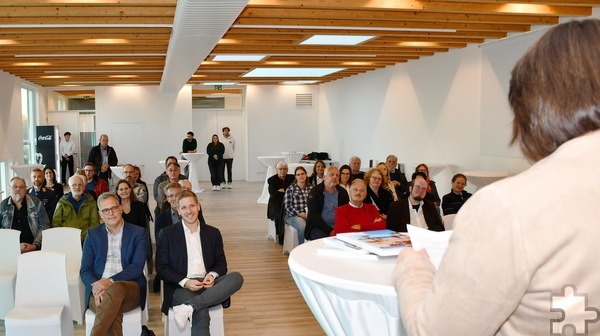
x=516 y=244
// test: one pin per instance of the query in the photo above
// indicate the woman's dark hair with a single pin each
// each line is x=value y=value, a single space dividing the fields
x=54 y=181
x=555 y=88
x=314 y=172
x=296 y=170
x=459 y=175
x=132 y=196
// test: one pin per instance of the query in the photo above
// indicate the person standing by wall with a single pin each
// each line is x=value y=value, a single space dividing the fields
x=215 y=150
x=229 y=143
x=189 y=146
x=67 y=147
x=103 y=156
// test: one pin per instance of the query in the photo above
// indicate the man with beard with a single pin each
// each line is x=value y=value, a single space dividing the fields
x=415 y=209
x=47 y=196
x=25 y=213
x=103 y=156
x=76 y=209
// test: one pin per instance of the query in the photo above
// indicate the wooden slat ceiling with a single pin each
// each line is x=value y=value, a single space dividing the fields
x=72 y=43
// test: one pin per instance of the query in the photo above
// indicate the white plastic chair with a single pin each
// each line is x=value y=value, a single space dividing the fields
x=290 y=239
x=449 y=221
x=271 y=233
x=42 y=297
x=9 y=250
x=217 y=327
x=68 y=241
x=132 y=322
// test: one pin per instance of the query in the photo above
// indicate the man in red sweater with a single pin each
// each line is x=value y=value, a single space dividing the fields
x=358 y=216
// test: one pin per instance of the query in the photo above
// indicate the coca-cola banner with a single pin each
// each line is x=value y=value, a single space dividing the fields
x=47 y=146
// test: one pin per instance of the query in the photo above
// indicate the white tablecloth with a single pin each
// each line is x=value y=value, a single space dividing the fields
x=270 y=162
x=118 y=172
x=182 y=164
x=481 y=178
x=292 y=157
x=25 y=170
x=434 y=169
x=194 y=159
x=348 y=296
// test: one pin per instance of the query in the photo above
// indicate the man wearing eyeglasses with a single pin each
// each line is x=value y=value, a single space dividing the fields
x=25 y=213
x=415 y=209
x=173 y=175
x=76 y=209
x=115 y=281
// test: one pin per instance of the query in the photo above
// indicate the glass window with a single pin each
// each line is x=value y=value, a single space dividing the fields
x=29 y=121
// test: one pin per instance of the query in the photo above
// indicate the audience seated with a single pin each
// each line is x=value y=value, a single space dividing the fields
x=356 y=215
x=51 y=183
x=278 y=183
x=387 y=183
x=452 y=201
x=114 y=282
x=345 y=177
x=94 y=184
x=294 y=202
x=432 y=193
x=186 y=185
x=190 y=259
x=173 y=175
x=396 y=176
x=322 y=202
x=355 y=167
x=76 y=209
x=163 y=176
x=133 y=211
x=45 y=195
x=317 y=174
x=376 y=193
x=25 y=213
x=415 y=209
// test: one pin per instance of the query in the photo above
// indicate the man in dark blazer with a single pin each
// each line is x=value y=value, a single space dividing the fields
x=103 y=156
x=321 y=213
x=113 y=286
x=415 y=209
x=191 y=261
x=278 y=183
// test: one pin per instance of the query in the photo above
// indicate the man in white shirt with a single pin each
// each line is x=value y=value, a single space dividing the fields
x=229 y=143
x=194 y=283
x=67 y=147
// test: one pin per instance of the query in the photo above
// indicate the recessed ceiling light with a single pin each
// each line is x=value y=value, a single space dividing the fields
x=55 y=76
x=31 y=64
x=5 y=42
x=117 y=63
x=198 y=76
x=300 y=82
x=123 y=76
x=222 y=83
x=238 y=58
x=291 y=72
x=418 y=44
x=336 y=39
x=105 y=41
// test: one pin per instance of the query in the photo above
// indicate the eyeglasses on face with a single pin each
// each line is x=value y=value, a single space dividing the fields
x=172 y=170
x=419 y=188
x=107 y=211
x=18 y=187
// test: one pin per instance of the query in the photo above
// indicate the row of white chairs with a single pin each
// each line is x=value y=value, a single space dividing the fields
x=35 y=302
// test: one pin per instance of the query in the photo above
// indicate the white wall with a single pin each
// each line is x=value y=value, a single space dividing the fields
x=158 y=123
x=11 y=134
x=276 y=125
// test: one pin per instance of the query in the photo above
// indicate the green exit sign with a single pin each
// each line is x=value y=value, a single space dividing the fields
x=218 y=87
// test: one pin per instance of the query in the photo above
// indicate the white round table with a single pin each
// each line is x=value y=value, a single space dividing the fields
x=270 y=162
x=348 y=296
x=292 y=157
x=193 y=159
x=182 y=164
x=118 y=172
x=25 y=170
x=481 y=178
x=434 y=169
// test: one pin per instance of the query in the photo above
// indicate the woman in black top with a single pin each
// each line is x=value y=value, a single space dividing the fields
x=432 y=193
x=51 y=183
x=215 y=150
x=134 y=211
x=376 y=193
x=453 y=201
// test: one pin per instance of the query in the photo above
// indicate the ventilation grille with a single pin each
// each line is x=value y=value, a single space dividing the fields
x=304 y=99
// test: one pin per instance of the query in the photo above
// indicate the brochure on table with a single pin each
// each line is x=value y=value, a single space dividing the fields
x=380 y=242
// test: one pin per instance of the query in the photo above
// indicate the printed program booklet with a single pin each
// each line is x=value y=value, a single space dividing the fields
x=380 y=242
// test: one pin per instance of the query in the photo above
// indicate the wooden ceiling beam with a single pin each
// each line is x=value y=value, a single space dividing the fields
x=87 y=11
x=86 y=20
x=310 y=32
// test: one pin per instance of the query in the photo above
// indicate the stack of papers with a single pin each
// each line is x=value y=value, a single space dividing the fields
x=435 y=243
x=383 y=243
x=338 y=248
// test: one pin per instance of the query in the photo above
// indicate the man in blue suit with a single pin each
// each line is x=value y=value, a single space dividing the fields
x=191 y=262
x=115 y=281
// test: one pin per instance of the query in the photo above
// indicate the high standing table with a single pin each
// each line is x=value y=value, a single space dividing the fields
x=348 y=296
x=194 y=158
x=25 y=170
x=292 y=157
x=182 y=164
x=481 y=178
x=270 y=162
